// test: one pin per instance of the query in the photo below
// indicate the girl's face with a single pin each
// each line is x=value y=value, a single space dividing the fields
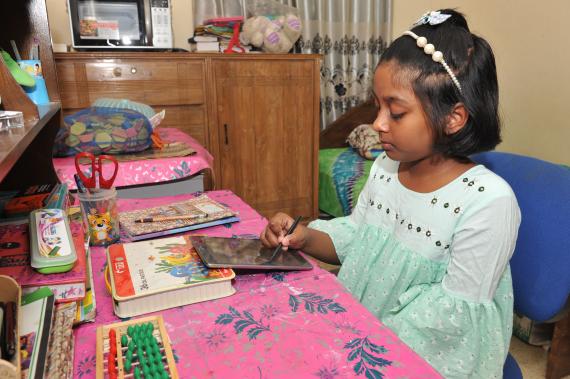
x=404 y=131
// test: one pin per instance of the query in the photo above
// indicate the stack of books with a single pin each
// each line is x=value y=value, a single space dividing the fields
x=205 y=43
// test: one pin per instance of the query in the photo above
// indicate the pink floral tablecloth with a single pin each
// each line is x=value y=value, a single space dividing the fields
x=148 y=170
x=278 y=324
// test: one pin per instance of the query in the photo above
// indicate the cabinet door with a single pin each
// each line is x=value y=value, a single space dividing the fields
x=267 y=132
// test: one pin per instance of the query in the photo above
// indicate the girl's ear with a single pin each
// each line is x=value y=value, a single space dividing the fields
x=456 y=119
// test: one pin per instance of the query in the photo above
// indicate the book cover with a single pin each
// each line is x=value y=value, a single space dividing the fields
x=15 y=262
x=157 y=274
x=202 y=212
x=35 y=322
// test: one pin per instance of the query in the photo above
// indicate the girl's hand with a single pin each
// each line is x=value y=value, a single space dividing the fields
x=276 y=230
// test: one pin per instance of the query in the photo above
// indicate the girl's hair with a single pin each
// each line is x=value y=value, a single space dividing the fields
x=471 y=59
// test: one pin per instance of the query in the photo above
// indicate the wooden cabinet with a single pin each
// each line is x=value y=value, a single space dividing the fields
x=267 y=132
x=256 y=113
x=167 y=81
x=25 y=153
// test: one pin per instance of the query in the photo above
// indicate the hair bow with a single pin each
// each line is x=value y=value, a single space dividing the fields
x=432 y=18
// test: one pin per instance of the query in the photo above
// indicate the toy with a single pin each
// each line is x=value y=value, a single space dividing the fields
x=276 y=35
x=134 y=348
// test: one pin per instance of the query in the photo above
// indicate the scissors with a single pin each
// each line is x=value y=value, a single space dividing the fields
x=94 y=178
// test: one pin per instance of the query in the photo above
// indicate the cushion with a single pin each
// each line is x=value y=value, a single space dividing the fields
x=366 y=141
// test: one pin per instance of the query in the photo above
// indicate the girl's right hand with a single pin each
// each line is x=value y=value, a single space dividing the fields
x=276 y=230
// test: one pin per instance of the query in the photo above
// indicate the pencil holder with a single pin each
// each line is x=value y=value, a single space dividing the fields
x=100 y=216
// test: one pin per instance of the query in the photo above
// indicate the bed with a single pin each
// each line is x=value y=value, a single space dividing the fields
x=342 y=171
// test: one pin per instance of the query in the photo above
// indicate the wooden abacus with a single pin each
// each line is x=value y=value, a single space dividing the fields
x=137 y=346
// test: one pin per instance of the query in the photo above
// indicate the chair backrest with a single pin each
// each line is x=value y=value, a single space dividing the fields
x=541 y=262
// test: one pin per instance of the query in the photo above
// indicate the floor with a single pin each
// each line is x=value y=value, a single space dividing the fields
x=531 y=359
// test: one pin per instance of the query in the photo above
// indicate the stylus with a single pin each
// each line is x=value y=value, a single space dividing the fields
x=280 y=246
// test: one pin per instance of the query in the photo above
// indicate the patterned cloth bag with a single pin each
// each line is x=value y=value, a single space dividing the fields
x=110 y=126
x=366 y=141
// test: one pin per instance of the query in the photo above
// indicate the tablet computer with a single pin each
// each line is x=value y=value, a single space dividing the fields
x=219 y=252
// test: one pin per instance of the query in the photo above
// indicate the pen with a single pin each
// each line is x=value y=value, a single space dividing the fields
x=80 y=186
x=169 y=218
x=280 y=246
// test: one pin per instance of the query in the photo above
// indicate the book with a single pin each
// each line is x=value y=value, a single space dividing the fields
x=149 y=276
x=202 y=212
x=203 y=38
x=35 y=321
x=29 y=199
x=15 y=262
x=207 y=46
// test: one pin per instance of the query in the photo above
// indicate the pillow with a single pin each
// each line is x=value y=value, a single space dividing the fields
x=366 y=141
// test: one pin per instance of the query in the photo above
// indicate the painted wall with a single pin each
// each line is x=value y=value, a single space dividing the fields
x=528 y=39
x=527 y=36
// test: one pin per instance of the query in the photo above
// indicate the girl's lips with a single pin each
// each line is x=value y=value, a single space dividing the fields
x=387 y=146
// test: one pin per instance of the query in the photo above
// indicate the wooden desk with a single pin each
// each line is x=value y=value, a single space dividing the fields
x=277 y=325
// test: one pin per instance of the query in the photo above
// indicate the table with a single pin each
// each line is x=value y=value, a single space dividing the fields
x=277 y=325
x=148 y=171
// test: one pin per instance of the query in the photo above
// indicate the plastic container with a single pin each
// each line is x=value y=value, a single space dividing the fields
x=52 y=248
x=100 y=216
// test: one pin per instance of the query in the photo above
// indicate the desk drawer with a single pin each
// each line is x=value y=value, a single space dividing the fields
x=119 y=70
x=151 y=82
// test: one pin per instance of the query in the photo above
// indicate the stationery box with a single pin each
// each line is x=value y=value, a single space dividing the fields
x=153 y=275
x=15 y=262
x=52 y=249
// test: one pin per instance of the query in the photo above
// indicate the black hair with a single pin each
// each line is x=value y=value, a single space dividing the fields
x=472 y=61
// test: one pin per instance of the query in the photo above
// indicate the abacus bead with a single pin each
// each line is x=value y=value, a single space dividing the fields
x=429 y=48
x=421 y=41
x=437 y=56
x=124 y=340
x=137 y=372
x=128 y=366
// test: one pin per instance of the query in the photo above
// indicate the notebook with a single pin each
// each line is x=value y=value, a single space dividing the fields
x=35 y=320
x=15 y=262
x=149 y=276
x=205 y=212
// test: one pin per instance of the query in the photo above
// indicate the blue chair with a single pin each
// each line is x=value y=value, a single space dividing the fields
x=541 y=262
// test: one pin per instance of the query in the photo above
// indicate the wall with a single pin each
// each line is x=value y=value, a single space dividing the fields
x=182 y=22
x=528 y=41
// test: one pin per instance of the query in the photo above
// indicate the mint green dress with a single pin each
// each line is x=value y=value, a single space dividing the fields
x=434 y=266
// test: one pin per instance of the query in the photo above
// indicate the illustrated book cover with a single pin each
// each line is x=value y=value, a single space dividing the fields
x=15 y=262
x=149 y=276
x=196 y=213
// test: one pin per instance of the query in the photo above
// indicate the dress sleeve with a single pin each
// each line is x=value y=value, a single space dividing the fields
x=482 y=245
x=462 y=326
x=343 y=229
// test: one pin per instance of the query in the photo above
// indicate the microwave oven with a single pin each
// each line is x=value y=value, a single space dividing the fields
x=120 y=24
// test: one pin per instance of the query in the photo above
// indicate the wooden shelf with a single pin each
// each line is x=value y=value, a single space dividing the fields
x=14 y=142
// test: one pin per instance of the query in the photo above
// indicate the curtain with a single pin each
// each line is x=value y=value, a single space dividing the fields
x=206 y=9
x=350 y=34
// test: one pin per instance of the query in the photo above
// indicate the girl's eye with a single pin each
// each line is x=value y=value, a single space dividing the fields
x=397 y=116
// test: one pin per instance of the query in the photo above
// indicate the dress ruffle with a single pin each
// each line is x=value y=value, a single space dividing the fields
x=458 y=337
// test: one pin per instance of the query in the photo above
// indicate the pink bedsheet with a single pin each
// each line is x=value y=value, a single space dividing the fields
x=277 y=325
x=148 y=170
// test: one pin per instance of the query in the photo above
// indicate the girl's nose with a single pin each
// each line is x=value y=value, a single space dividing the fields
x=381 y=122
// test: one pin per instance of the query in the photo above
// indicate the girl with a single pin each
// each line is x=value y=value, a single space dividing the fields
x=427 y=247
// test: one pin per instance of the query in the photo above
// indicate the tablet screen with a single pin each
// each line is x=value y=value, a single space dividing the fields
x=218 y=252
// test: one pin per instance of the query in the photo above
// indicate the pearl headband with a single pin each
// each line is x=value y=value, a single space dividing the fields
x=436 y=56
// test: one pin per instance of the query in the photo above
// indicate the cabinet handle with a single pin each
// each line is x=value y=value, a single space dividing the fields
x=117 y=71
x=133 y=70
x=226 y=132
